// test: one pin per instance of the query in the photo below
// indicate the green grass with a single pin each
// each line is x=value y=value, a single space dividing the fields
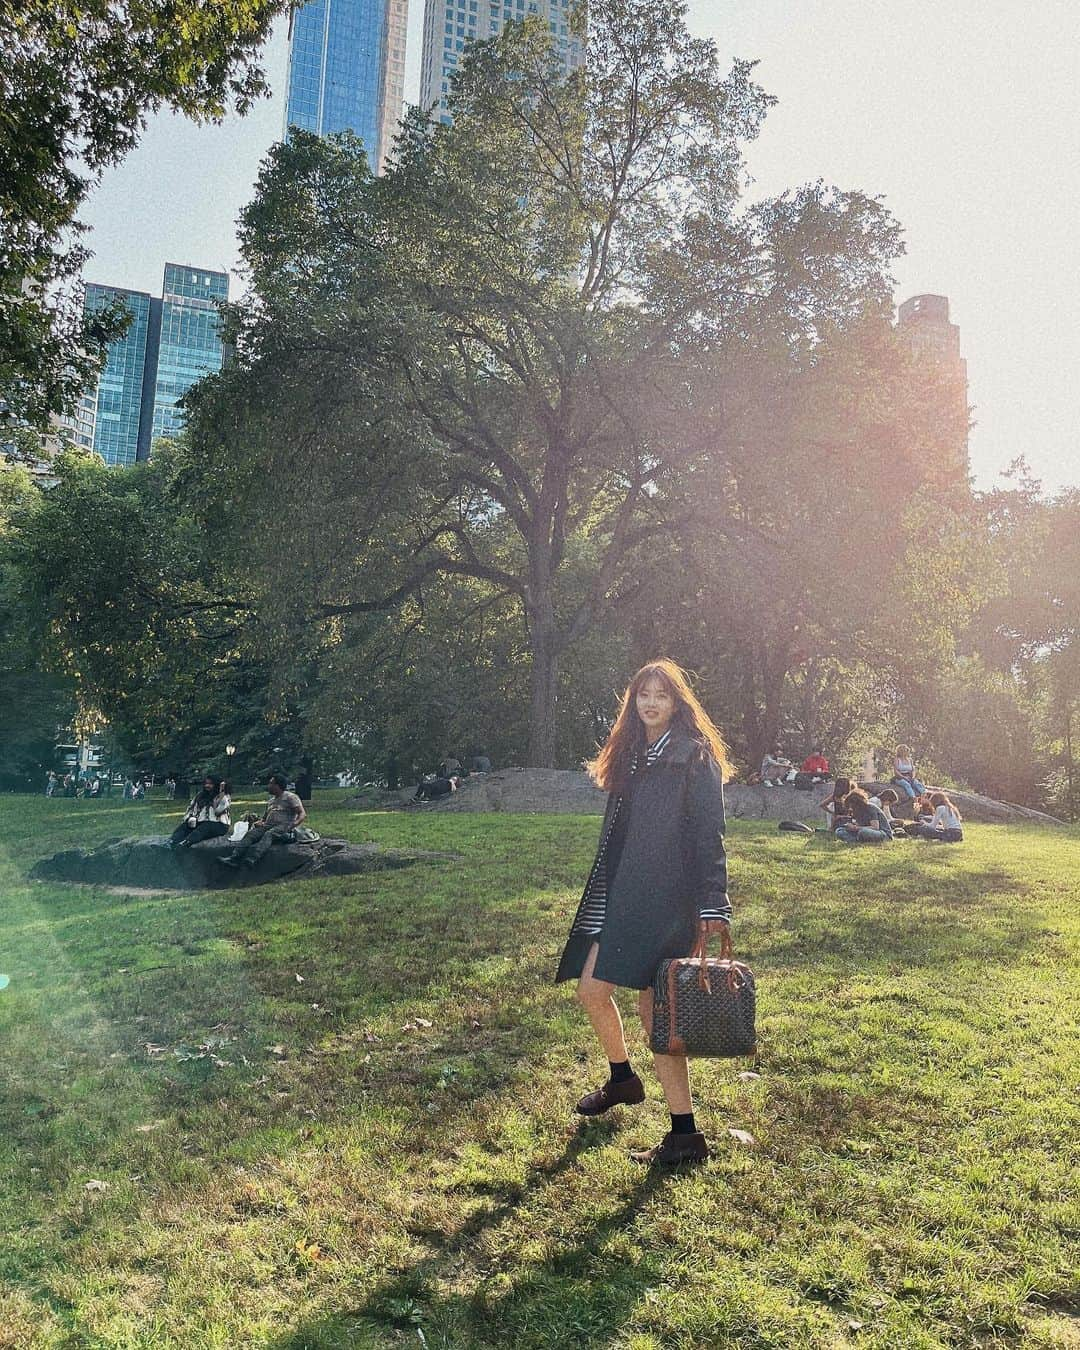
x=300 y=1162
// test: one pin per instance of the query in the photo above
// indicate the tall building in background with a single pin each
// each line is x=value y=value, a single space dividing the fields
x=170 y=343
x=923 y=321
x=188 y=341
x=450 y=24
x=112 y=411
x=347 y=70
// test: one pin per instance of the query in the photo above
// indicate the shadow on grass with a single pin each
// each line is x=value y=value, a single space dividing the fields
x=557 y=1301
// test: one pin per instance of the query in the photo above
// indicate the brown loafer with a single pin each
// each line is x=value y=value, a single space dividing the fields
x=674 y=1149
x=629 y=1092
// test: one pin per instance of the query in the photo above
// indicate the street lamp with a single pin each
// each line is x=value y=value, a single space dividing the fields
x=230 y=750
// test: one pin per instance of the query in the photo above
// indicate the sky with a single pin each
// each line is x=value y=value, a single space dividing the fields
x=961 y=114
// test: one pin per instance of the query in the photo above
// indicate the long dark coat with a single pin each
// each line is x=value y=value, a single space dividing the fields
x=671 y=866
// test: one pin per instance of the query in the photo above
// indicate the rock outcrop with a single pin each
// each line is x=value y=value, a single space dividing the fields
x=148 y=864
x=571 y=792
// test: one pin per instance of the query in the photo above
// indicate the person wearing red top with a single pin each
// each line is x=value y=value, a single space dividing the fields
x=816 y=765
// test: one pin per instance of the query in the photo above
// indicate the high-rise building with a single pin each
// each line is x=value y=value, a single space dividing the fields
x=118 y=398
x=347 y=70
x=170 y=343
x=923 y=321
x=188 y=340
x=450 y=24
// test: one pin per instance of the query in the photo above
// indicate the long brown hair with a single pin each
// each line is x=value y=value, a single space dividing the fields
x=611 y=767
x=943 y=799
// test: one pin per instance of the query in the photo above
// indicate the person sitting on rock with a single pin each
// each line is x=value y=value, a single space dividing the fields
x=277 y=825
x=817 y=766
x=481 y=763
x=776 y=768
x=904 y=773
x=207 y=816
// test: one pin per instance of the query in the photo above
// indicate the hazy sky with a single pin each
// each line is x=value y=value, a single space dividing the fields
x=962 y=114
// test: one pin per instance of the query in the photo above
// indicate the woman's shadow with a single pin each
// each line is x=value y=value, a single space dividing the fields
x=409 y=1297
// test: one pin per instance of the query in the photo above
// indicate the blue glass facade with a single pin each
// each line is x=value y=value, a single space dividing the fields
x=120 y=387
x=189 y=340
x=337 y=69
x=170 y=343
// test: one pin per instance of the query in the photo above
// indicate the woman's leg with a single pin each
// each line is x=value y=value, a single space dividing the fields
x=179 y=834
x=673 y=1071
x=906 y=787
x=595 y=996
x=206 y=829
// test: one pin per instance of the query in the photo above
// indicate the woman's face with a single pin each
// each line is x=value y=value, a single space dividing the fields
x=655 y=707
x=209 y=785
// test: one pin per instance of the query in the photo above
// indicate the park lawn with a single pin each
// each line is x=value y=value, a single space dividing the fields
x=336 y=1113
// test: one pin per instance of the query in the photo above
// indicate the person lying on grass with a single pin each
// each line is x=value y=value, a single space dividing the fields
x=658 y=886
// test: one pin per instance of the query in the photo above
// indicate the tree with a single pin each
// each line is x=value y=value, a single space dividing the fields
x=483 y=364
x=77 y=81
x=34 y=704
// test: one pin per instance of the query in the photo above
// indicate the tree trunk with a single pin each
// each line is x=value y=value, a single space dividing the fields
x=542 y=695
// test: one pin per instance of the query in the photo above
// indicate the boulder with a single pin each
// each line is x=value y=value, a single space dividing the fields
x=571 y=792
x=547 y=791
x=149 y=864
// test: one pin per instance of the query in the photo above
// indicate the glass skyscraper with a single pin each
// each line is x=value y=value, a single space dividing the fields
x=118 y=403
x=450 y=24
x=347 y=70
x=189 y=341
x=169 y=344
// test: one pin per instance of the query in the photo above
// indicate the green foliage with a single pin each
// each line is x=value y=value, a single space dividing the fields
x=506 y=361
x=77 y=81
x=34 y=704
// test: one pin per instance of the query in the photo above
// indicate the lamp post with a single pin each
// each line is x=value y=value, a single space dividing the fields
x=230 y=750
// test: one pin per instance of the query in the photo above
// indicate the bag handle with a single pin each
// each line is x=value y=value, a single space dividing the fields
x=701 y=955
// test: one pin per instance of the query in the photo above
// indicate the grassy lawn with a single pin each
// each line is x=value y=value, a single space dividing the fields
x=337 y=1112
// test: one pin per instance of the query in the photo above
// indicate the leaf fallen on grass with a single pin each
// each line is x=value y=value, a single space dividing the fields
x=151 y=1125
x=742 y=1137
x=94 y=1185
x=280 y=1050
x=748 y=1076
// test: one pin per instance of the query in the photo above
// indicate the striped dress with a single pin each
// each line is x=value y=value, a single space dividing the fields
x=594 y=911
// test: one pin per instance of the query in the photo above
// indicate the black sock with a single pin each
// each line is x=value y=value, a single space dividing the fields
x=620 y=1072
x=683 y=1124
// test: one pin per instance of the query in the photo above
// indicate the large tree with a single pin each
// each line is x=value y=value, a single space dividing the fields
x=77 y=81
x=485 y=364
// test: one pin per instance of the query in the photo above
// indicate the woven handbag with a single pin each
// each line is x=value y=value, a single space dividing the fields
x=703 y=1007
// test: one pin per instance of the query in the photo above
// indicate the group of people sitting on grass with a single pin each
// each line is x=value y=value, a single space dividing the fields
x=855 y=817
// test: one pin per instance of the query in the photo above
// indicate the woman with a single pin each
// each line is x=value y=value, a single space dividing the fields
x=658 y=886
x=865 y=823
x=946 y=825
x=833 y=805
x=208 y=816
x=904 y=773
